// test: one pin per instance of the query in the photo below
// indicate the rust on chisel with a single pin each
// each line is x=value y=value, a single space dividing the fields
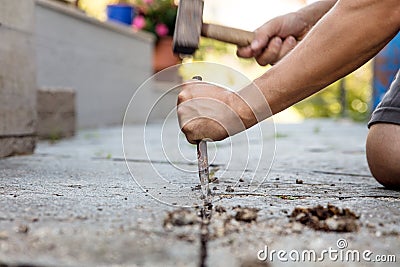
x=202 y=159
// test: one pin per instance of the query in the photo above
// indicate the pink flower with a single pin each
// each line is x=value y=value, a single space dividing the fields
x=148 y=1
x=139 y=22
x=161 y=29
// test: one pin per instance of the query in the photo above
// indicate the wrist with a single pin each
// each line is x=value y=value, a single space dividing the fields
x=251 y=105
x=242 y=109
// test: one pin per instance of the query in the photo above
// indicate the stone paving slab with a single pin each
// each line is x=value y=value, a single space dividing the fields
x=74 y=202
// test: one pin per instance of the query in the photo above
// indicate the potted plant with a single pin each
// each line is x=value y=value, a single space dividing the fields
x=158 y=17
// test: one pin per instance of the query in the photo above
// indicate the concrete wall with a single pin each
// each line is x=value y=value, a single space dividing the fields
x=17 y=78
x=105 y=63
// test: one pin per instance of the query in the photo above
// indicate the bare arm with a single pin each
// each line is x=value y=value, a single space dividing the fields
x=343 y=40
x=277 y=37
x=350 y=34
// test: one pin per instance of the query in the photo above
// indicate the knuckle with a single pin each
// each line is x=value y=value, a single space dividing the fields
x=188 y=130
x=241 y=52
x=289 y=44
x=275 y=47
x=261 y=62
x=183 y=96
x=266 y=58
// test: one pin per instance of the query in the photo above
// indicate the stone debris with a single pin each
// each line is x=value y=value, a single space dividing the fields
x=220 y=209
x=3 y=235
x=329 y=219
x=229 y=189
x=223 y=221
x=181 y=217
x=187 y=238
x=246 y=214
x=196 y=187
x=299 y=181
x=22 y=228
x=214 y=180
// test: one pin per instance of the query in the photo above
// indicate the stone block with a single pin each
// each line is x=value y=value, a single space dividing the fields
x=17 y=145
x=56 y=113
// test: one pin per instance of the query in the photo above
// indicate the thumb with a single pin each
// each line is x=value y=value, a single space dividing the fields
x=263 y=35
x=258 y=44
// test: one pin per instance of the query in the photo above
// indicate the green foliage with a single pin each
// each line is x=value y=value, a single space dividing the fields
x=54 y=136
x=207 y=46
x=280 y=135
x=327 y=104
x=156 y=13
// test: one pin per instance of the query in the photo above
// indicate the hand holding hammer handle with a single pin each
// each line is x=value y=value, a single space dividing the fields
x=226 y=34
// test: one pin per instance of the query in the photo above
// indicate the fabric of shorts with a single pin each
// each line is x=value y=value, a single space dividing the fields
x=388 y=111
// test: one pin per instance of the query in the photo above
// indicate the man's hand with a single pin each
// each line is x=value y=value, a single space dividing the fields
x=279 y=36
x=275 y=39
x=210 y=112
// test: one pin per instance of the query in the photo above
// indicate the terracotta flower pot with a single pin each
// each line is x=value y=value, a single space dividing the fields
x=163 y=57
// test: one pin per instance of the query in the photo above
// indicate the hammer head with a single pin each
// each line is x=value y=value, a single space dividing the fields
x=188 y=26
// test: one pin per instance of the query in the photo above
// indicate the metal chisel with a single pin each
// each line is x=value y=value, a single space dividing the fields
x=202 y=159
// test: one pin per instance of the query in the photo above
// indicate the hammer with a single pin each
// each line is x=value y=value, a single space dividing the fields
x=189 y=26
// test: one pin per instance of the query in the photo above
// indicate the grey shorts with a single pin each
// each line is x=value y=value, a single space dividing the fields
x=388 y=111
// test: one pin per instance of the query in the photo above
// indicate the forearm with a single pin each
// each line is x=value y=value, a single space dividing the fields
x=349 y=35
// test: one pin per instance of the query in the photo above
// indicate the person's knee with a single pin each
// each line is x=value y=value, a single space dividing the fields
x=383 y=154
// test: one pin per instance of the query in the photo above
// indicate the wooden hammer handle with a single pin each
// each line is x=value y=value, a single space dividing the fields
x=227 y=34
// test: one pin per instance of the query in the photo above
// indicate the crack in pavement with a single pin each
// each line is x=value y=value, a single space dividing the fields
x=300 y=196
x=155 y=161
x=206 y=213
x=343 y=174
